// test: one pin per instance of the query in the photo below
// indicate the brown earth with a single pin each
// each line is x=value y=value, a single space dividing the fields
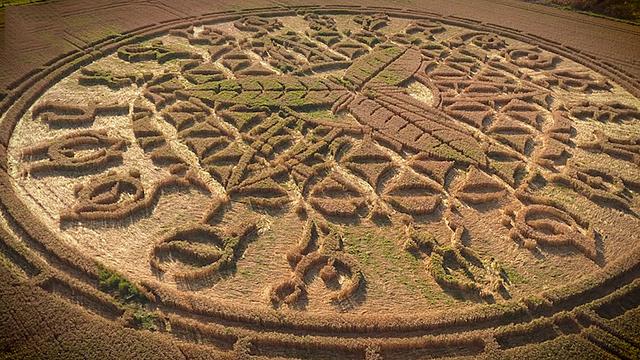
x=31 y=38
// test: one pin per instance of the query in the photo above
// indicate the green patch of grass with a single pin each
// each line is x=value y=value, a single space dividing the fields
x=113 y=282
x=392 y=77
x=514 y=276
x=146 y=320
x=382 y=254
x=561 y=193
x=450 y=153
x=246 y=272
x=388 y=77
x=320 y=114
x=129 y=297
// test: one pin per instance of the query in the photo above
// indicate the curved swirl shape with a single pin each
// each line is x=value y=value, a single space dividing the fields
x=531 y=57
x=201 y=250
x=318 y=252
x=548 y=225
x=113 y=196
x=78 y=151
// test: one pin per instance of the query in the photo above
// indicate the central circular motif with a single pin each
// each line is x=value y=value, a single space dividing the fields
x=320 y=164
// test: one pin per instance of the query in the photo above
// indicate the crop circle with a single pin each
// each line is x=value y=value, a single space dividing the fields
x=350 y=174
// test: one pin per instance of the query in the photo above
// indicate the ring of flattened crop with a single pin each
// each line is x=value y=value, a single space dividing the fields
x=28 y=91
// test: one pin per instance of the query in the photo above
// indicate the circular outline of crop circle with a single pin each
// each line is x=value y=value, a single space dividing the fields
x=30 y=87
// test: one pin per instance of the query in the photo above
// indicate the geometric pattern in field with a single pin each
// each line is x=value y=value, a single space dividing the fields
x=334 y=173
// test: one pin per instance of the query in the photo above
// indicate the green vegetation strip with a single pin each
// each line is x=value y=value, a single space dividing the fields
x=129 y=297
x=6 y=3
